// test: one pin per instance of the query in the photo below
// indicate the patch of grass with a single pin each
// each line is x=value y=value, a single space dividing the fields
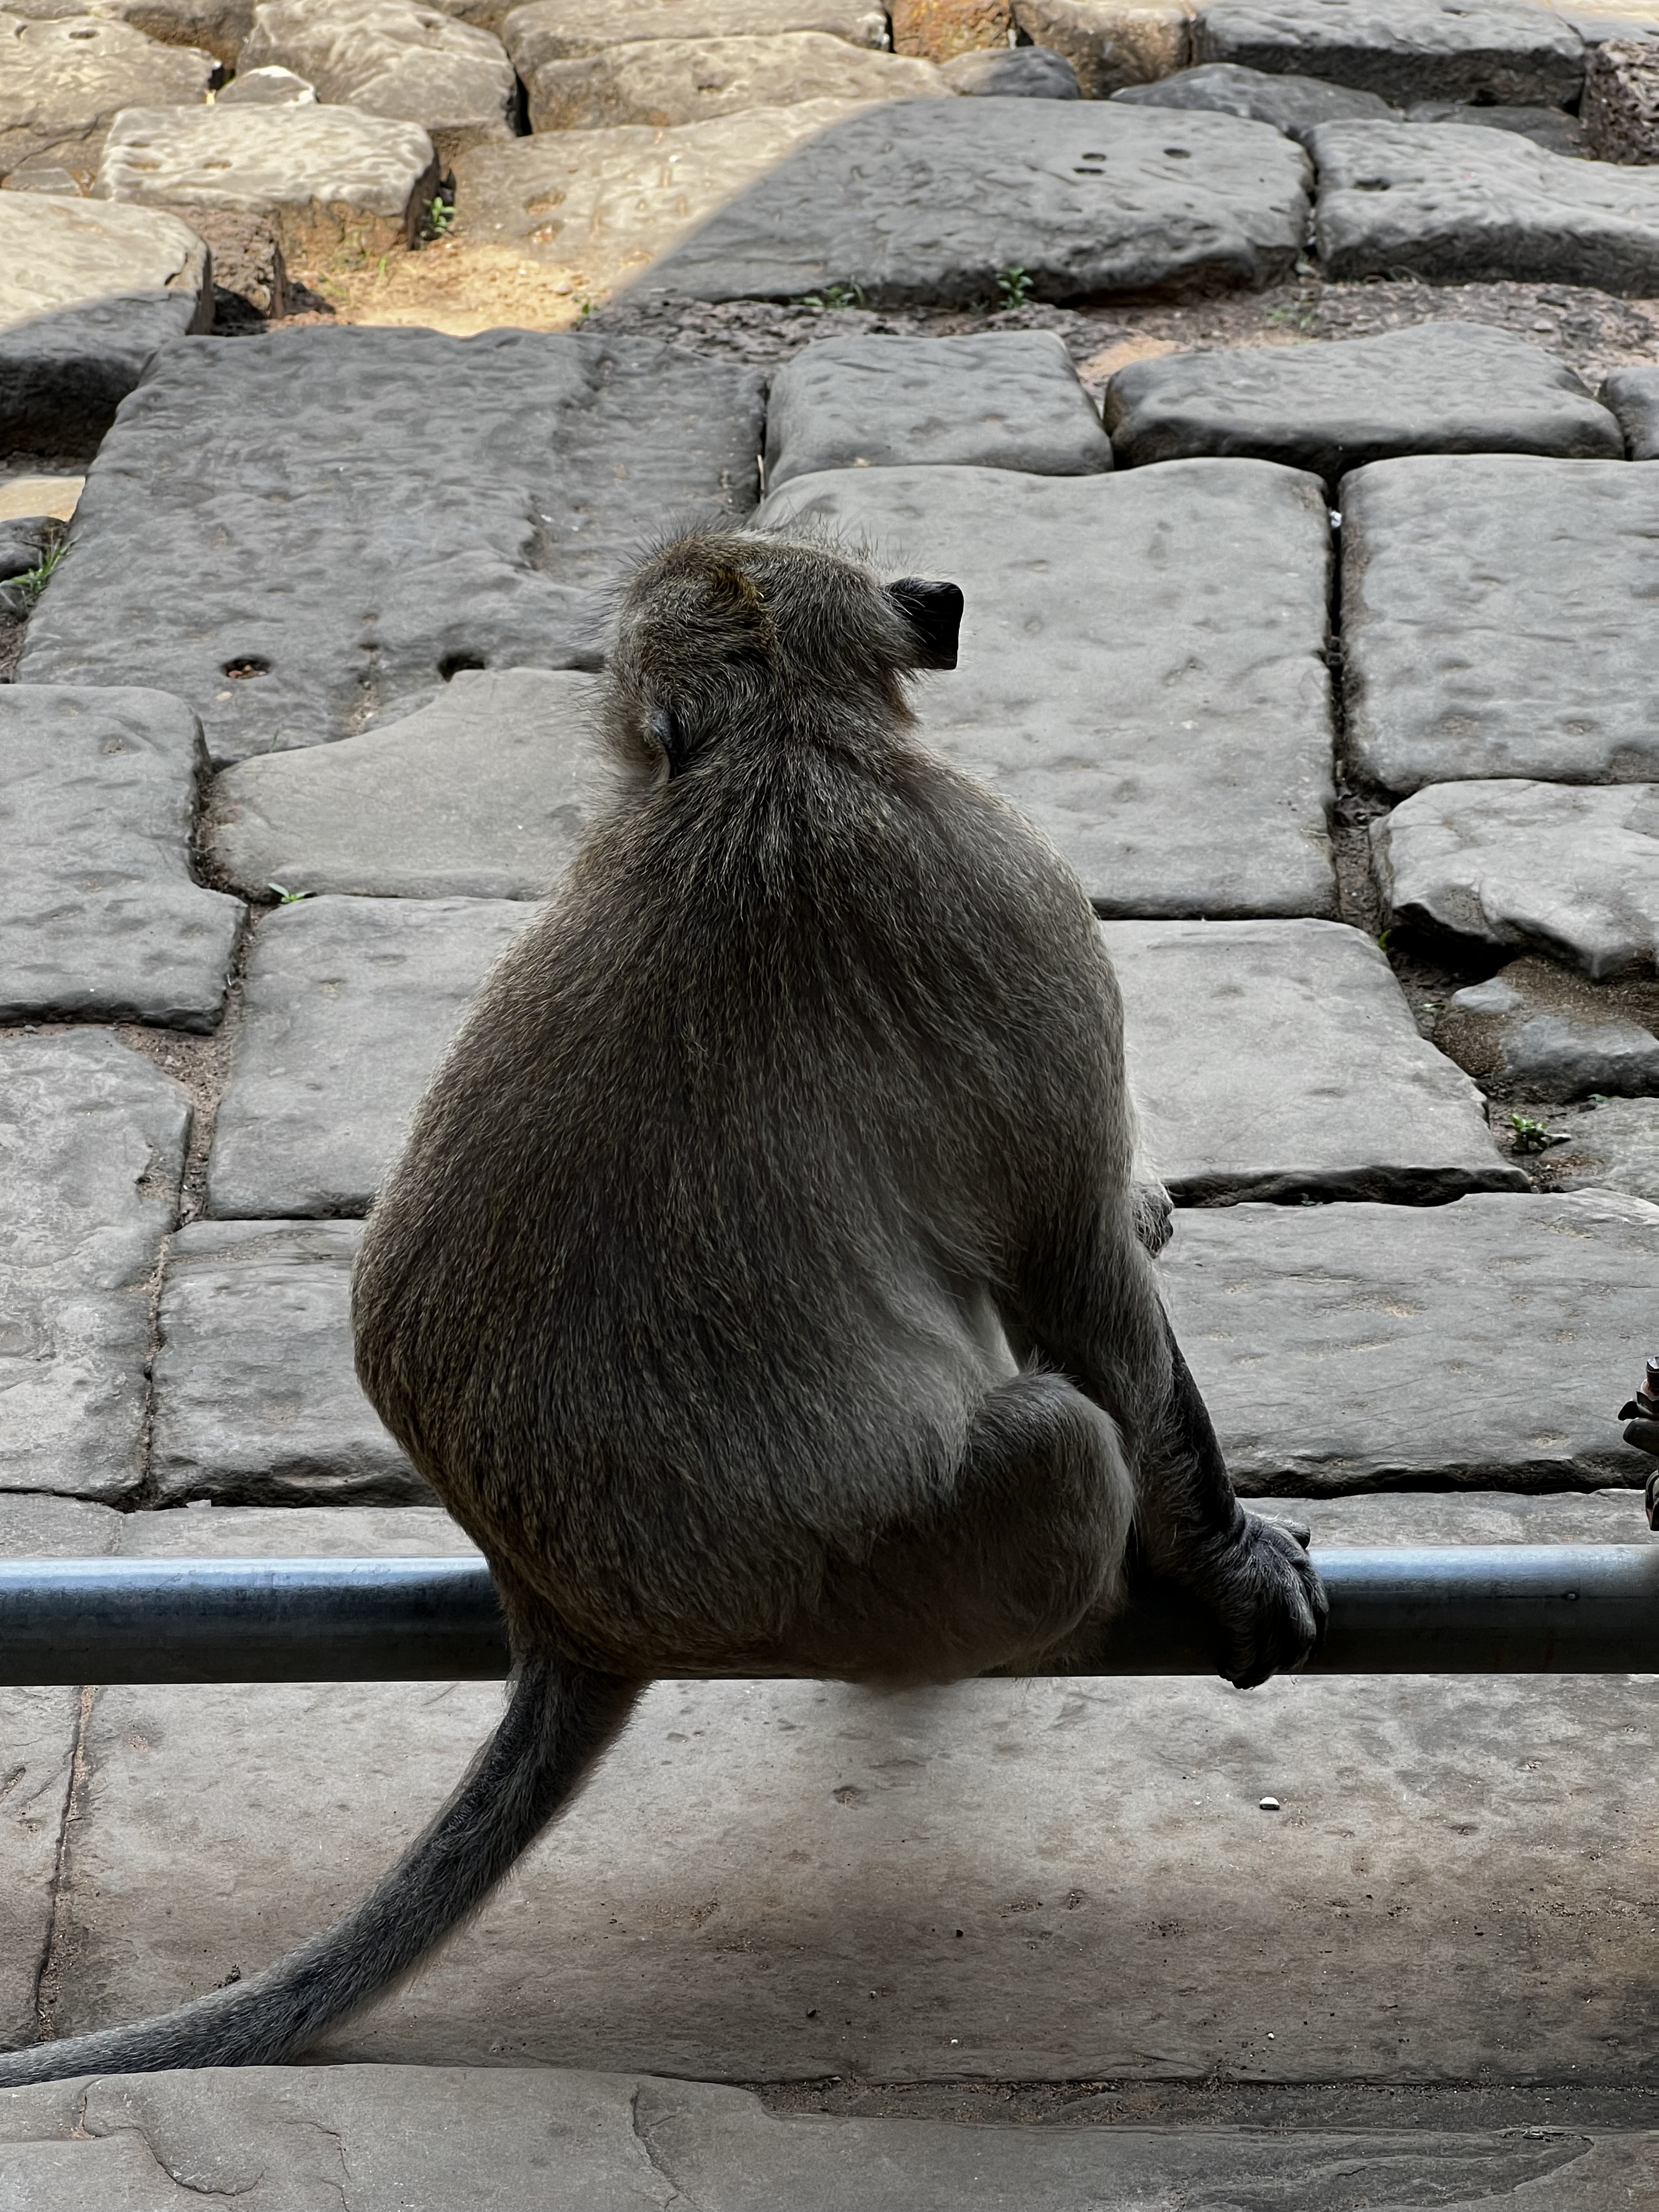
x=1013 y=286
x=851 y=294
x=29 y=586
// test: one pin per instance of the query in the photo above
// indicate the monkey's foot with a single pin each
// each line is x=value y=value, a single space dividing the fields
x=1268 y=1601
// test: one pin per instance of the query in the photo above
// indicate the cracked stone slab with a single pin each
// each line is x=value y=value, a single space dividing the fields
x=257 y=1401
x=348 y=1006
x=1402 y=49
x=1279 y=1060
x=1003 y=399
x=1130 y=643
x=1291 y=104
x=1611 y=1146
x=1633 y=396
x=485 y=793
x=1086 y=199
x=1434 y=388
x=1498 y=620
x=62 y=82
x=1562 y=868
x=658 y=81
x=810 y=1845
x=1367 y=1347
x=89 y=295
x=1536 y=1030
x=327 y=177
x=1456 y=205
x=395 y=58
x=419 y=2138
x=92 y=1142
x=99 y=916
x=291 y=587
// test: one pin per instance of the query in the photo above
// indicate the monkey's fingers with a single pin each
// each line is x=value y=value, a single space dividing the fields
x=1275 y=1605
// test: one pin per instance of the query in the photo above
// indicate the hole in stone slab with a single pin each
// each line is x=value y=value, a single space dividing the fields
x=248 y=663
x=454 y=664
x=83 y=34
x=1179 y=153
x=1370 y=184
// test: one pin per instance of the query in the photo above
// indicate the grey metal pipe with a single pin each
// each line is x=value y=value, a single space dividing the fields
x=1462 y=1609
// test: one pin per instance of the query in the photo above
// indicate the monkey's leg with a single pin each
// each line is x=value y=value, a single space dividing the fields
x=558 y=1720
x=1028 y=1542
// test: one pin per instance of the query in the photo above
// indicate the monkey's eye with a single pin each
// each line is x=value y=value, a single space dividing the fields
x=934 y=613
x=665 y=727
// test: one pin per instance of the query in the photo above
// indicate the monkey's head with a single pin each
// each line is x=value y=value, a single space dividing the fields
x=732 y=636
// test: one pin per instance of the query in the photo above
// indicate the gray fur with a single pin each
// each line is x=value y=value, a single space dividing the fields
x=764 y=1285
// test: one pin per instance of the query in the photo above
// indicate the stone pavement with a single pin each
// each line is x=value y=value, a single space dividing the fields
x=1329 y=666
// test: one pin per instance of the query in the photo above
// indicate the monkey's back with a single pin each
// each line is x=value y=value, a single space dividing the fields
x=687 y=1281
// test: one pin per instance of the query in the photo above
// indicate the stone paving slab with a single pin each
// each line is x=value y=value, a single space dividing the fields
x=291 y=586
x=1535 y=1031
x=327 y=177
x=548 y=30
x=1498 y=620
x=62 y=82
x=1290 y=103
x=1612 y=1145
x=1551 y=128
x=348 y=1006
x=256 y=1399
x=1279 y=1060
x=395 y=58
x=92 y=1143
x=605 y=204
x=1633 y=396
x=99 y=916
x=1479 y=1344
x=1130 y=643
x=1456 y=205
x=1110 y=43
x=1568 y=869
x=219 y=26
x=485 y=793
x=1003 y=399
x=1402 y=49
x=1434 y=388
x=1086 y=199
x=659 y=82
x=88 y=294
x=810 y=1845
x=1018 y=73
x=424 y=2139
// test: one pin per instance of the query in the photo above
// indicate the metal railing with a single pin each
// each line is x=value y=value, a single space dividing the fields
x=1462 y=1609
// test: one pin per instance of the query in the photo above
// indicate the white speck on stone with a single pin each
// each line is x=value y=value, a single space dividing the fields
x=1269 y=1804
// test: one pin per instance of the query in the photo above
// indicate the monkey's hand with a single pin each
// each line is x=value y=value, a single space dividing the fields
x=1267 y=1601
x=1154 y=1215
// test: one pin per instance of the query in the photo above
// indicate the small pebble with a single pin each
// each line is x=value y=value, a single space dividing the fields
x=1270 y=1804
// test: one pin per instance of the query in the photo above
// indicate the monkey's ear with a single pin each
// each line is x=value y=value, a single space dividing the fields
x=934 y=613
x=665 y=727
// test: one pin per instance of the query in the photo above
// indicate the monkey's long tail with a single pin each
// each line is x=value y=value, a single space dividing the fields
x=557 y=1722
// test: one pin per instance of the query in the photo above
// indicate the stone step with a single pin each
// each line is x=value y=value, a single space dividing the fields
x=377 y=534
x=512 y=2139
x=1456 y=1886
x=1496 y=619
x=1340 y=1349
x=1402 y=49
x=1132 y=644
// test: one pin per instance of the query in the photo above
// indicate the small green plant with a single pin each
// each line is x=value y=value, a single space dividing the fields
x=29 y=586
x=439 y=217
x=1013 y=286
x=288 y=898
x=850 y=295
x=584 y=307
x=1527 y=1135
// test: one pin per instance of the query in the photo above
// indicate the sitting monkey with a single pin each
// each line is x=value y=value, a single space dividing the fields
x=763 y=1286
